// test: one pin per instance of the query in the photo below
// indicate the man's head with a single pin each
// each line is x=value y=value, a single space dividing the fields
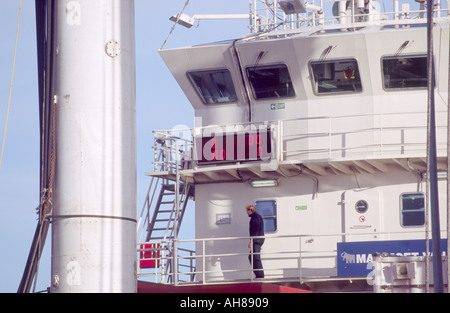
x=250 y=209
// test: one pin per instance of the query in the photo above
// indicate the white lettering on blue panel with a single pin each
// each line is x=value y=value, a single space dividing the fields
x=354 y=259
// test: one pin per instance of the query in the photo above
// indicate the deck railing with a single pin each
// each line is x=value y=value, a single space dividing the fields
x=295 y=258
x=349 y=137
x=266 y=16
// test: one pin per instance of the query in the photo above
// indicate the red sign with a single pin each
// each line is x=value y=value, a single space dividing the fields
x=150 y=255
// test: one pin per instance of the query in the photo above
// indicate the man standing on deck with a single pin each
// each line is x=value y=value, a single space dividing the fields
x=256 y=229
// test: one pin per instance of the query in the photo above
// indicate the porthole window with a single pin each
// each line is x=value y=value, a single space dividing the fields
x=361 y=206
x=412 y=209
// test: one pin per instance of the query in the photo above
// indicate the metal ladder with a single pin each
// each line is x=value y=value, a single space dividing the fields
x=167 y=216
x=165 y=205
x=165 y=223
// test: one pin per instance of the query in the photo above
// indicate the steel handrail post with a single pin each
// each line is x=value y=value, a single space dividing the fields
x=203 y=261
x=251 y=256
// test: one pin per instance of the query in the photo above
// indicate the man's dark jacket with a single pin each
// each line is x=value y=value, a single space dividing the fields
x=256 y=227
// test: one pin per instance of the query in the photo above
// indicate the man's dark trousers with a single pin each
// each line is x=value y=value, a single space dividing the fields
x=257 y=264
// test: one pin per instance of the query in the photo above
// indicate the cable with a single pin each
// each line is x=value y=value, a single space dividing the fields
x=175 y=24
x=12 y=79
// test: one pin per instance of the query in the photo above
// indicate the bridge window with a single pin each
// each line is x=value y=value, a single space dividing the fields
x=404 y=72
x=272 y=81
x=268 y=211
x=214 y=87
x=338 y=76
x=412 y=209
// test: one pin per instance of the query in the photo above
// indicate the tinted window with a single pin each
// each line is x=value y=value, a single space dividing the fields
x=271 y=81
x=268 y=212
x=412 y=207
x=403 y=72
x=336 y=76
x=214 y=87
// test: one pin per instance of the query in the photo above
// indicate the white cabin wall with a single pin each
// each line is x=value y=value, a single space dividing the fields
x=275 y=52
x=320 y=219
x=296 y=52
x=441 y=50
x=181 y=61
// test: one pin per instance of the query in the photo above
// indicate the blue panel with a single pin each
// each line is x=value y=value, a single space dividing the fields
x=354 y=259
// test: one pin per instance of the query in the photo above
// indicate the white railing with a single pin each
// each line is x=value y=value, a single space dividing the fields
x=385 y=135
x=360 y=136
x=171 y=150
x=267 y=16
x=226 y=260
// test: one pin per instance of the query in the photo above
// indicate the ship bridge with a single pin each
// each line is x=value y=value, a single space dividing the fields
x=323 y=95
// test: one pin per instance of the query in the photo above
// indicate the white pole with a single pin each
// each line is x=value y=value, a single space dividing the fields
x=342 y=9
x=396 y=15
x=94 y=218
x=448 y=172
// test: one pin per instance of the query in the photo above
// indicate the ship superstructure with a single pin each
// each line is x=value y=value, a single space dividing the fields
x=322 y=124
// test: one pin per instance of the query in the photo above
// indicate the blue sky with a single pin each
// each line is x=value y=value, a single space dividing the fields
x=160 y=105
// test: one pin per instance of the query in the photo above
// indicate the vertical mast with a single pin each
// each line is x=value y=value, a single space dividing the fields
x=94 y=215
x=432 y=159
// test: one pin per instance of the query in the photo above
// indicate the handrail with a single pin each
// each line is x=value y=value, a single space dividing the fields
x=268 y=16
x=192 y=267
x=324 y=137
x=153 y=187
x=174 y=150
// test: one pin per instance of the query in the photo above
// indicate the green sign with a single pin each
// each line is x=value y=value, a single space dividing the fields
x=277 y=106
x=301 y=207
